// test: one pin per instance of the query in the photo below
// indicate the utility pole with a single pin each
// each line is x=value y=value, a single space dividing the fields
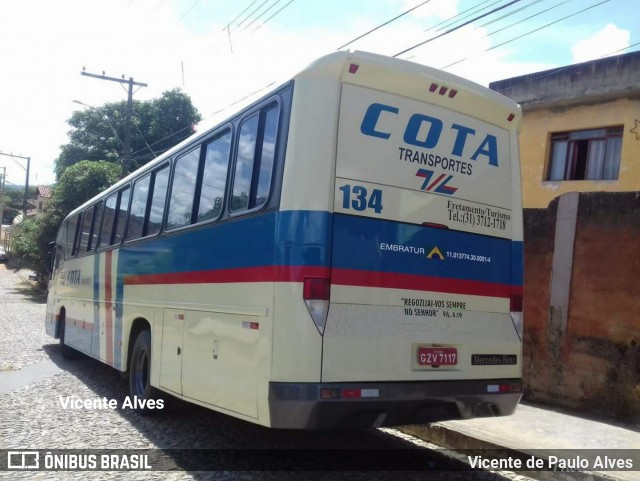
x=26 y=184
x=127 y=126
x=4 y=175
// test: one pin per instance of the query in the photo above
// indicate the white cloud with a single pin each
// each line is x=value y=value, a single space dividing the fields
x=607 y=41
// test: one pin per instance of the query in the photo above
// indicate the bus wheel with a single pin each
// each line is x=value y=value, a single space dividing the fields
x=144 y=397
x=66 y=351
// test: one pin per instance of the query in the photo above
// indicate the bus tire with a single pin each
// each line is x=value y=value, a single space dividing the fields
x=65 y=351
x=139 y=378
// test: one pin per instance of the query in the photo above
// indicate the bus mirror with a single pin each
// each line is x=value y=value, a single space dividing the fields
x=51 y=247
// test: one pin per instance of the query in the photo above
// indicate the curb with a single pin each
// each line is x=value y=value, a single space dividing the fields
x=446 y=437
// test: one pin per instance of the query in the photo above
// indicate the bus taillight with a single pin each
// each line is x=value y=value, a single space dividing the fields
x=316 y=294
x=516 y=302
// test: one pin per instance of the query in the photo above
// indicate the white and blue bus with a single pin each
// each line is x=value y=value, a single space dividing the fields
x=345 y=252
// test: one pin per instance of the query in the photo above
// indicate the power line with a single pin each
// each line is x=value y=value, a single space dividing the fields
x=547 y=25
x=263 y=23
x=529 y=17
x=188 y=10
x=458 y=27
x=535 y=30
x=461 y=13
x=382 y=25
x=240 y=100
x=239 y=15
x=511 y=25
x=506 y=15
x=162 y=140
x=261 y=15
x=249 y=15
x=127 y=130
x=561 y=69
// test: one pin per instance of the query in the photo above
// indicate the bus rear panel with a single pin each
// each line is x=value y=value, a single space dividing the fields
x=422 y=282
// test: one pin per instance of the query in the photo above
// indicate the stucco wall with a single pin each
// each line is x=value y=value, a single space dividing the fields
x=534 y=148
x=593 y=362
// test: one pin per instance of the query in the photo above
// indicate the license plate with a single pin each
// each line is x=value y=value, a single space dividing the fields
x=437 y=356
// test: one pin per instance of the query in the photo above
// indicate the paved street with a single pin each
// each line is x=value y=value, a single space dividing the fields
x=33 y=377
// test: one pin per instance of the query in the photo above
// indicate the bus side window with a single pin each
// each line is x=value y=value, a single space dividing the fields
x=95 y=226
x=254 y=161
x=138 y=208
x=87 y=218
x=121 y=215
x=183 y=189
x=71 y=228
x=158 y=198
x=214 y=178
x=108 y=219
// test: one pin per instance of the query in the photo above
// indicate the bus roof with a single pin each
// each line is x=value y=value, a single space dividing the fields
x=373 y=71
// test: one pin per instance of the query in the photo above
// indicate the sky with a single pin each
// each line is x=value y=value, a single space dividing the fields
x=221 y=51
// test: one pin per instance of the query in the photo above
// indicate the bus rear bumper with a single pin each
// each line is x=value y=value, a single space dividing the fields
x=365 y=405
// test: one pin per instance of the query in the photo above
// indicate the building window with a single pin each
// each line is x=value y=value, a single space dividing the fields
x=585 y=154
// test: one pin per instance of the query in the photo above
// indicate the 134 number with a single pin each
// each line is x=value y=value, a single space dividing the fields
x=358 y=198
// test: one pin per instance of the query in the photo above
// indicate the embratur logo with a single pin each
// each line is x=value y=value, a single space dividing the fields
x=440 y=186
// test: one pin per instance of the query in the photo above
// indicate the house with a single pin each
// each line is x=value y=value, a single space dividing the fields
x=580 y=128
x=580 y=154
x=43 y=198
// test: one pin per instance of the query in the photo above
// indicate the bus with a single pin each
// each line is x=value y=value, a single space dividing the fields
x=345 y=252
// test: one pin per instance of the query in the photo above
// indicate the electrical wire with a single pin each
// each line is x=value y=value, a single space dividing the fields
x=529 y=17
x=506 y=15
x=261 y=15
x=382 y=25
x=188 y=10
x=249 y=15
x=263 y=23
x=458 y=27
x=239 y=15
x=561 y=69
x=534 y=30
x=512 y=25
x=459 y=14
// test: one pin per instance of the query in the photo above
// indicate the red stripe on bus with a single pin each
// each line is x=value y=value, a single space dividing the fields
x=392 y=280
x=346 y=277
x=108 y=296
x=223 y=276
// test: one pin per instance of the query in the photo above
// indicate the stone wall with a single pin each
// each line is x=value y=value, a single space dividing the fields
x=585 y=357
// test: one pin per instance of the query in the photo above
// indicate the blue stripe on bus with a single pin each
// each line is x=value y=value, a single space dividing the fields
x=95 y=334
x=305 y=240
x=375 y=245
x=117 y=348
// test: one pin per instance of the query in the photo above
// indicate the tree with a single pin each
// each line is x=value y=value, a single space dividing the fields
x=98 y=133
x=14 y=201
x=79 y=183
x=92 y=161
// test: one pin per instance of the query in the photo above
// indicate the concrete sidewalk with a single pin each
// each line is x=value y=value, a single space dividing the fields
x=534 y=428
